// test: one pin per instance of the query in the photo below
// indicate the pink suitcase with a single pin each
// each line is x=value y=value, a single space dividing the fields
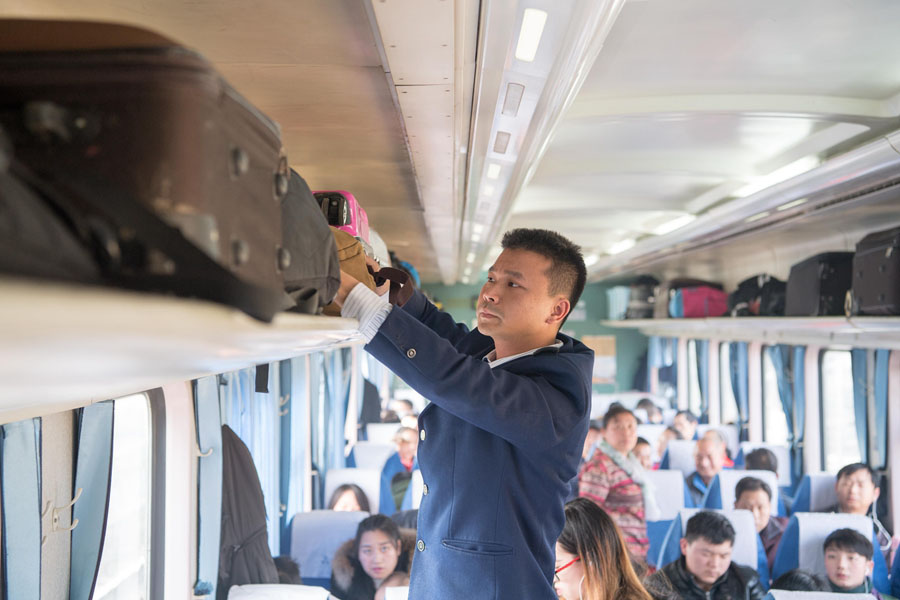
x=345 y=213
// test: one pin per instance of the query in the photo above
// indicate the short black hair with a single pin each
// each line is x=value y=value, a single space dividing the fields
x=761 y=459
x=614 y=411
x=799 y=580
x=688 y=415
x=288 y=570
x=751 y=484
x=641 y=440
x=853 y=468
x=849 y=540
x=596 y=425
x=675 y=432
x=713 y=527
x=567 y=273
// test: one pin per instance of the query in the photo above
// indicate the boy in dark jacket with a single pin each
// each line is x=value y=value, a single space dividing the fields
x=705 y=570
x=848 y=563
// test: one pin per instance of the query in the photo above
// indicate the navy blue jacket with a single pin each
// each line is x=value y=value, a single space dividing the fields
x=497 y=450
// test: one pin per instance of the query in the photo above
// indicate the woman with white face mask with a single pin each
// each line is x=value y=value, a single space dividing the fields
x=591 y=560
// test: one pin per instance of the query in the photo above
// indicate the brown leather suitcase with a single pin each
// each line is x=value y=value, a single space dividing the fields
x=182 y=176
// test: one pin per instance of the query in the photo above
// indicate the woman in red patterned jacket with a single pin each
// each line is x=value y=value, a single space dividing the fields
x=615 y=480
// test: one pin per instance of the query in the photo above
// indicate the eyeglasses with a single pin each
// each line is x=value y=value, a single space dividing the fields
x=564 y=567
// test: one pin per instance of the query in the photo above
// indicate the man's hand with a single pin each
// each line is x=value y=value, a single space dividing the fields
x=386 y=286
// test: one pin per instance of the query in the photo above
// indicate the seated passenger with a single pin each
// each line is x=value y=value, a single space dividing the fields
x=396 y=580
x=592 y=561
x=763 y=459
x=349 y=497
x=401 y=462
x=686 y=423
x=755 y=495
x=705 y=570
x=362 y=564
x=614 y=479
x=857 y=490
x=668 y=434
x=799 y=580
x=849 y=564
x=654 y=415
x=644 y=453
x=709 y=458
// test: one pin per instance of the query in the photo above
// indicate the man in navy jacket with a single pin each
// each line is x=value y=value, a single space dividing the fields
x=501 y=439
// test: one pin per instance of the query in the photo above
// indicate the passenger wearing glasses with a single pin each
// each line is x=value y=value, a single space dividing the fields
x=592 y=562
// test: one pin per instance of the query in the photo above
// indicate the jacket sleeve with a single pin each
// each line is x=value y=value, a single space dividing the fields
x=437 y=320
x=534 y=412
x=755 y=590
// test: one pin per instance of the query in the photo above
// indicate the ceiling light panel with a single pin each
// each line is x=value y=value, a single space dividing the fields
x=418 y=40
x=530 y=34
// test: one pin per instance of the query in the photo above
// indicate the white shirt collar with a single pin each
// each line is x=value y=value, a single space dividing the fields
x=492 y=360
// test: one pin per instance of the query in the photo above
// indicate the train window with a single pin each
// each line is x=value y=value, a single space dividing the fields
x=124 y=571
x=695 y=397
x=728 y=409
x=775 y=429
x=838 y=416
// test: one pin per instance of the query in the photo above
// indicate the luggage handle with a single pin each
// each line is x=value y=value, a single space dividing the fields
x=201 y=275
x=401 y=288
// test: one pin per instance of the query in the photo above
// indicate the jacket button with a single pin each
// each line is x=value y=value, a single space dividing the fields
x=422 y=434
x=411 y=353
x=424 y=489
x=420 y=545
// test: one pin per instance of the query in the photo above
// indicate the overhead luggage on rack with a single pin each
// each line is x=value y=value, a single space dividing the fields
x=817 y=286
x=666 y=292
x=758 y=296
x=641 y=297
x=695 y=302
x=344 y=212
x=179 y=176
x=876 y=275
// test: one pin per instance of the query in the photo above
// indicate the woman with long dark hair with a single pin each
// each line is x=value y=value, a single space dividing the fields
x=592 y=562
x=379 y=550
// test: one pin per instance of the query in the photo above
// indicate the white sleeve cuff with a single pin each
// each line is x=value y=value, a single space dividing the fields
x=368 y=307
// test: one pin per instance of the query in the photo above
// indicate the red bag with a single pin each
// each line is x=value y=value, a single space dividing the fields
x=698 y=302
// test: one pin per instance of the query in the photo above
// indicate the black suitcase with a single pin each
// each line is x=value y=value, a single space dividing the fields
x=760 y=295
x=876 y=274
x=641 y=297
x=312 y=271
x=818 y=285
x=186 y=176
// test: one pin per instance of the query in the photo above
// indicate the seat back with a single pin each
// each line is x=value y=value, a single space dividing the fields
x=747 y=550
x=786 y=595
x=669 y=416
x=368 y=479
x=413 y=497
x=651 y=433
x=680 y=456
x=277 y=591
x=372 y=455
x=316 y=536
x=801 y=544
x=665 y=484
x=721 y=491
x=382 y=433
x=815 y=493
x=729 y=432
x=782 y=454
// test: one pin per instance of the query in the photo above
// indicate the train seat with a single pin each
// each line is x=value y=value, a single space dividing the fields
x=669 y=416
x=276 y=591
x=815 y=493
x=664 y=481
x=781 y=452
x=747 y=550
x=801 y=544
x=895 y=575
x=679 y=456
x=786 y=595
x=413 y=497
x=370 y=455
x=382 y=433
x=368 y=479
x=721 y=491
x=315 y=537
x=651 y=433
x=729 y=432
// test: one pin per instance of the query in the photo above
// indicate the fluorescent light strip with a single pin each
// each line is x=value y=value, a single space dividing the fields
x=493 y=171
x=757 y=217
x=501 y=142
x=513 y=99
x=591 y=260
x=488 y=190
x=478 y=228
x=676 y=223
x=470 y=257
x=620 y=247
x=789 y=205
x=533 y=22
x=786 y=172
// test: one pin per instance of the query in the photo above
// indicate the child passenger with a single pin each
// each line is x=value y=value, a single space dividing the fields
x=848 y=563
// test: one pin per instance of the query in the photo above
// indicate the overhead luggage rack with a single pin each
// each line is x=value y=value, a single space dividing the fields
x=67 y=345
x=858 y=332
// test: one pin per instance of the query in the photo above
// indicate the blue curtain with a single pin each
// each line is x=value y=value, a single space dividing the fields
x=662 y=352
x=781 y=355
x=254 y=418
x=799 y=397
x=739 y=383
x=93 y=470
x=860 y=399
x=882 y=358
x=337 y=396
x=208 y=423
x=20 y=466
x=703 y=377
x=295 y=454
